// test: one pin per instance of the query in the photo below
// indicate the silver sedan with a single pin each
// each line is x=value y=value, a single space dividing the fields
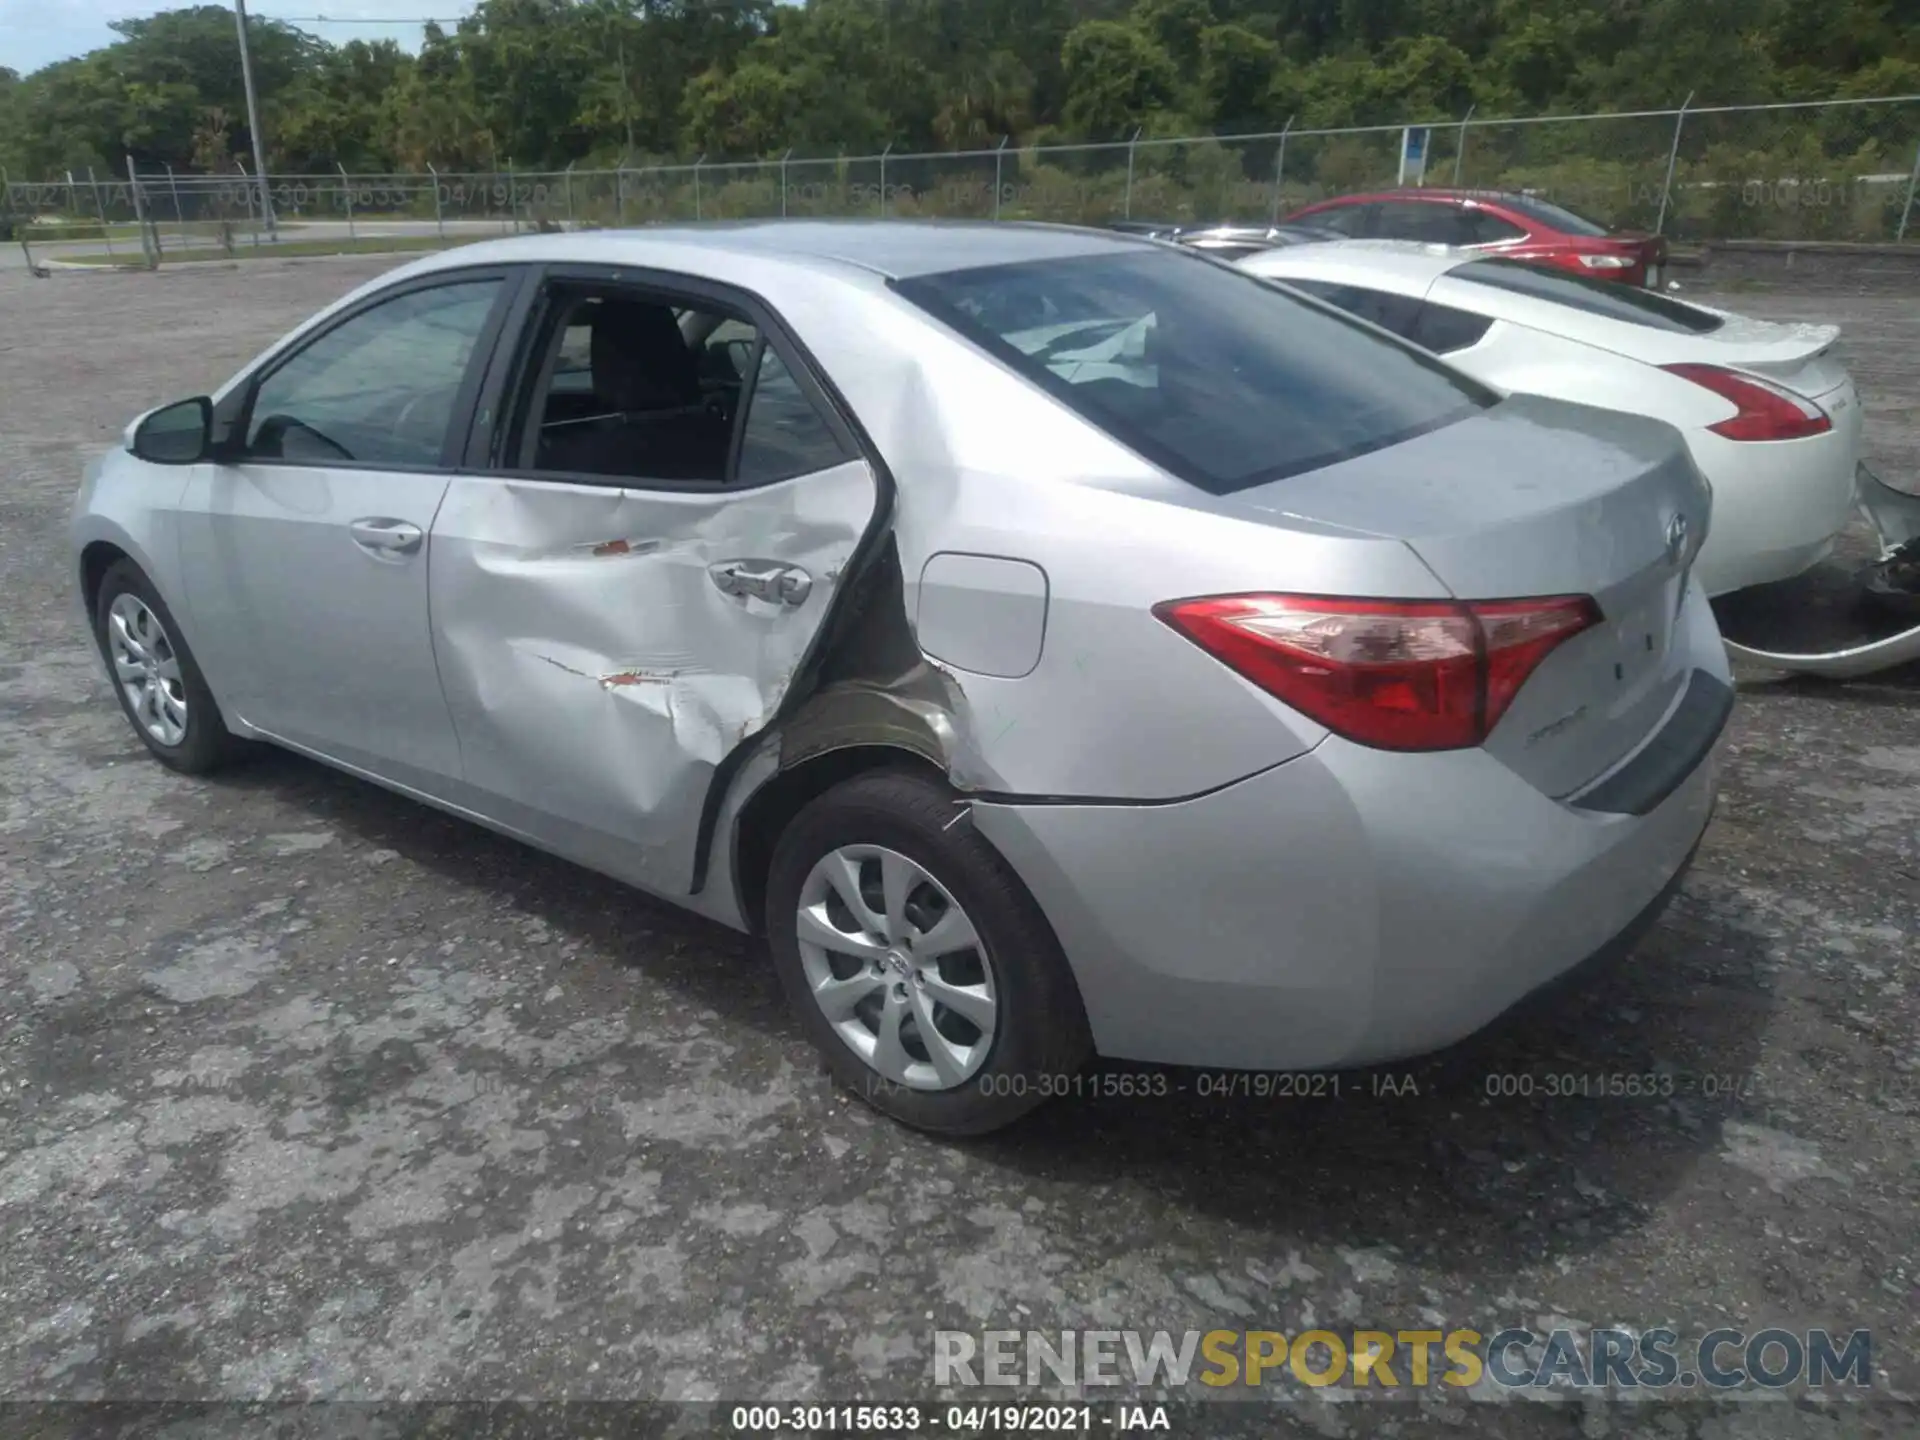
x=1052 y=642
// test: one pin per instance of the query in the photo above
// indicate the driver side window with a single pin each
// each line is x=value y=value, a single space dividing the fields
x=378 y=389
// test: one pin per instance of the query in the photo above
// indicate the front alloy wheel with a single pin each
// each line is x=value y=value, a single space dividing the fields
x=896 y=967
x=147 y=669
x=154 y=675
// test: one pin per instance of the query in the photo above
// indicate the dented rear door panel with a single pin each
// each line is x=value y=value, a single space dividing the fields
x=598 y=672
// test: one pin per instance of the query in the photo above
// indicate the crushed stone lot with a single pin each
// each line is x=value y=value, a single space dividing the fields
x=307 y=1091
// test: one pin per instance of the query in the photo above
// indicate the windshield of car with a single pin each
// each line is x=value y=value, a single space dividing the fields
x=1211 y=373
x=1547 y=213
x=1610 y=298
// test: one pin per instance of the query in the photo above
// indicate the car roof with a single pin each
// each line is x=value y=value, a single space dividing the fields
x=1425 y=192
x=895 y=249
x=1409 y=264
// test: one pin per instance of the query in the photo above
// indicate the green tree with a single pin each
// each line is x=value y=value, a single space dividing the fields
x=433 y=117
x=337 y=112
x=9 y=126
x=749 y=112
x=547 y=82
x=988 y=98
x=525 y=59
x=1116 y=76
x=1237 y=69
x=1176 y=27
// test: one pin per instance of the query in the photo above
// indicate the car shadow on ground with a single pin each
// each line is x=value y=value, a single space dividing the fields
x=1554 y=1132
x=1895 y=687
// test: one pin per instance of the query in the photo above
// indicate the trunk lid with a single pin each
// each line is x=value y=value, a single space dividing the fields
x=1800 y=357
x=1658 y=329
x=1650 y=248
x=1537 y=497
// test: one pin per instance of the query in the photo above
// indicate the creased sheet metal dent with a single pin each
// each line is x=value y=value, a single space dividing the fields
x=592 y=666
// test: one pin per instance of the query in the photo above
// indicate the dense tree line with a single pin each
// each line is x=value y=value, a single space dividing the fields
x=542 y=83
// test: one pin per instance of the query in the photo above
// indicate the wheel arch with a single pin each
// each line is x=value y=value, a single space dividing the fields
x=96 y=558
x=98 y=539
x=772 y=807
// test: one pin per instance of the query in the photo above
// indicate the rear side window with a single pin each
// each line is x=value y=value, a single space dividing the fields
x=1482 y=227
x=1443 y=329
x=1560 y=218
x=625 y=386
x=1349 y=220
x=784 y=435
x=1439 y=328
x=1212 y=374
x=1398 y=313
x=1609 y=298
x=1432 y=221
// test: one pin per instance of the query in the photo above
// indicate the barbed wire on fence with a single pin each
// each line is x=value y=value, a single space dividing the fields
x=1809 y=170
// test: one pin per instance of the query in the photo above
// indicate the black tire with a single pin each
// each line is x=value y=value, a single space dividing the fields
x=206 y=744
x=1041 y=1036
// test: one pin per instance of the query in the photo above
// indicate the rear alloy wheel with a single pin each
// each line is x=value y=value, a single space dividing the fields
x=159 y=686
x=918 y=962
x=896 y=967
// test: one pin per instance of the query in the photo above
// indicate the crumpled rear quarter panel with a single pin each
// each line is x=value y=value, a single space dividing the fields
x=1116 y=705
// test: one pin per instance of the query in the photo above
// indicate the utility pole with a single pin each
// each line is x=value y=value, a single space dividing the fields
x=253 y=120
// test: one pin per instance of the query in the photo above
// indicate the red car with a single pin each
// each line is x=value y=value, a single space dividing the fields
x=1519 y=227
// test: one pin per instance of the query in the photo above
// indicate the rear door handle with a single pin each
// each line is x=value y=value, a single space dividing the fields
x=385 y=536
x=758 y=580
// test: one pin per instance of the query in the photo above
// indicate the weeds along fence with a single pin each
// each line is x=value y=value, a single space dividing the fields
x=1832 y=170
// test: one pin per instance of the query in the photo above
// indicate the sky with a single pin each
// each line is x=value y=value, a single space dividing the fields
x=34 y=33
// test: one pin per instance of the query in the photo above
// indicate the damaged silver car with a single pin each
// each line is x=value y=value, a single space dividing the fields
x=1053 y=642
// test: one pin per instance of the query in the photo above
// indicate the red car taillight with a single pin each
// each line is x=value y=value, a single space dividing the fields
x=1393 y=674
x=1767 y=412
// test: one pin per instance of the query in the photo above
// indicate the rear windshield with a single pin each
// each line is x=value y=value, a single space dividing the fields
x=1547 y=213
x=1611 y=298
x=1211 y=373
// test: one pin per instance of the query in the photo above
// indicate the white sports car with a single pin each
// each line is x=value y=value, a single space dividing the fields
x=1769 y=412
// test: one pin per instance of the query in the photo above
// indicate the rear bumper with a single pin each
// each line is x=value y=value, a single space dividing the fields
x=1815 y=623
x=1777 y=505
x=1347 y=907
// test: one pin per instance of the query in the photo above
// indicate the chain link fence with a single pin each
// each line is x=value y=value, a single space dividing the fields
x=1837 y=170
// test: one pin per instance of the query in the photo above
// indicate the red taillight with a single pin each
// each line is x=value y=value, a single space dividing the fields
x=1767 y=412
x=1393 y=674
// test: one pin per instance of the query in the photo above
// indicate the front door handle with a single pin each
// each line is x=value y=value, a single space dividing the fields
x=384 y=536
x=761 y=580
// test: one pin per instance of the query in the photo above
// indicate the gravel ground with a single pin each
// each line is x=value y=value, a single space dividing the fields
x=311 y=1092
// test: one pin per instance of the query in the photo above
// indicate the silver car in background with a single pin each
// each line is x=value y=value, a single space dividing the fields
x=1229 y=240
x=1053 y=642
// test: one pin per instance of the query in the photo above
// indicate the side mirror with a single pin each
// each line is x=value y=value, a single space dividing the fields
x=180 y=434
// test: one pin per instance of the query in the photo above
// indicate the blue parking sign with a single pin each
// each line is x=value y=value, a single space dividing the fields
x=1413 y=154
